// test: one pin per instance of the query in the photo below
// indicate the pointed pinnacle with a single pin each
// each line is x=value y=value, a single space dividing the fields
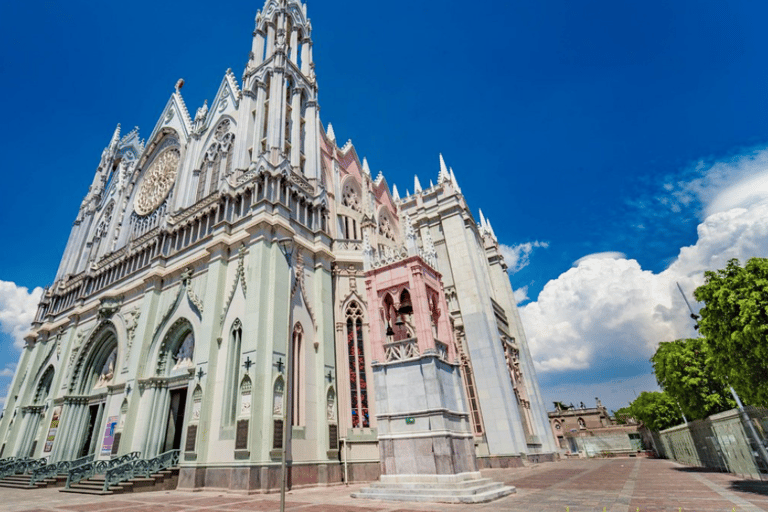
x=455 y=183
x=416 y=185
x=395 y=193
x=330 y=133
x=366 y=169
x=483 y=224
x=443 y=176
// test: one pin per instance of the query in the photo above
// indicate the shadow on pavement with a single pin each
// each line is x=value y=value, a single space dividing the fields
x=692 y=469
x=751 y=486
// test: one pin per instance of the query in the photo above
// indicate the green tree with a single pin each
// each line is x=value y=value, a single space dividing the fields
x=623 y=415
x=684 y=370
x=734 y=322
x=656 y=411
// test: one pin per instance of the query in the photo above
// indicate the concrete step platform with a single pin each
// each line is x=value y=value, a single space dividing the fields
x=464 y=488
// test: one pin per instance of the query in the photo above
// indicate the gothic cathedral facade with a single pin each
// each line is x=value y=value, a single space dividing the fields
x=176 y=309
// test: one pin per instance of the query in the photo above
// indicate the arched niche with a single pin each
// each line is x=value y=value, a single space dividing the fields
x=43 y=388
x=176 y=352
x=96 y=365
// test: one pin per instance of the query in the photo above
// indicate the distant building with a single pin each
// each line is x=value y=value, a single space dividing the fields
x=175 y=313
x=592 y=431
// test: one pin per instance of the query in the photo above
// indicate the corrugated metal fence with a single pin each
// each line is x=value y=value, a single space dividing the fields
x=723 y=441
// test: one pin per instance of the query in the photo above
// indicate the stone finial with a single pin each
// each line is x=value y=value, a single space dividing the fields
x=366 y=169
x=443 y=176
x=330 y=133
x=179 y=84
x=453 y=180
x=115 y=137
x=395 y=193
x=482 y=220
x=416 y=185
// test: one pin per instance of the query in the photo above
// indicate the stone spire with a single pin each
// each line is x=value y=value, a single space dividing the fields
x=416 y=185
x=330 y=133
x=443 y=176
x=366 y=168
x=483 y=224
x=395 y=193
x=455 y=183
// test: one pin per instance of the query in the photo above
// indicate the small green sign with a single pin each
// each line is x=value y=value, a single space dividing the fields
x=410 y=421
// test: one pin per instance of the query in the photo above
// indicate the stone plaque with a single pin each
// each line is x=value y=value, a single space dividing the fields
x=333 y=437
x=277 y=441
x=241 y=438
x=191 y=438
x=116 y=443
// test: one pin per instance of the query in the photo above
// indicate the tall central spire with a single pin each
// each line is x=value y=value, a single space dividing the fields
x=279 y=81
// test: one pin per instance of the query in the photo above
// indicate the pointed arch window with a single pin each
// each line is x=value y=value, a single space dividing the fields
x=232 y=377
x=298 y=391
x=217 y=160
x=358 y=382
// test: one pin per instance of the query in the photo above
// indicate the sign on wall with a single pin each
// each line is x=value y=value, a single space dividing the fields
x=109 y=436
x=52 y=429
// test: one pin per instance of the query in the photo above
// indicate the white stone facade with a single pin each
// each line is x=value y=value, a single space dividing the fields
x=173 y=306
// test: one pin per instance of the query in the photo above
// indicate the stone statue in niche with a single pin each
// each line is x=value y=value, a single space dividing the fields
x=186 y=352
x=277 y=408
x=331 y=406
x=107 y=371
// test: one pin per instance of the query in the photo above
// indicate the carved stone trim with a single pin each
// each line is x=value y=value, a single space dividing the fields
x=239 y=278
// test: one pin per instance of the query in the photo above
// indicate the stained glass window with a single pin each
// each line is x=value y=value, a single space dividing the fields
x=358 y=385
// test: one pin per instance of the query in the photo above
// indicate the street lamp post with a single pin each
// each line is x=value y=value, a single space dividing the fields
x=286 y=247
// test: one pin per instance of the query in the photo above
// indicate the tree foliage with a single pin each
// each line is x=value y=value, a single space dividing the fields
x=734 y=322
x=623 y=415
x=684 y=369
x=656 y=411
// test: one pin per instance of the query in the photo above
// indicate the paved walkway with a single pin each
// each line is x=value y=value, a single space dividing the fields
x=611 y=485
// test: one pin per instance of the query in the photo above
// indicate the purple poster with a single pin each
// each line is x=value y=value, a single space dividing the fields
x=109 y=436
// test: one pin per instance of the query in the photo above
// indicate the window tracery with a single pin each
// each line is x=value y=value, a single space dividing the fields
x=217 y=159
x=358 y=383
x=385 y=228
x=351 y=198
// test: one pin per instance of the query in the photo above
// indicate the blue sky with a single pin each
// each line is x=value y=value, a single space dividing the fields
x=578 y=127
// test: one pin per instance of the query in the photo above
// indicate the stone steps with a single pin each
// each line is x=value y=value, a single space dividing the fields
x=479 y=490
x=162 y=480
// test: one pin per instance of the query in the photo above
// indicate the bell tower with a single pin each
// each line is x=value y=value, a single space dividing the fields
x=426 y=444
x=280 y=90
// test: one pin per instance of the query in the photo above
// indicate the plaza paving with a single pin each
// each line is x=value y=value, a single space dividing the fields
x=567 y=486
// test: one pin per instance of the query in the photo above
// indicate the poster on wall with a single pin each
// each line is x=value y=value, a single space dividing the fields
x=109 y=436
x=52 y=429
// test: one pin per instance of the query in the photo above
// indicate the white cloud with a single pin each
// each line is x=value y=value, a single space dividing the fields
x=8 y=371
x=600 y=256
x=521 y=294
x=17 y=310
x=607 y=311
x=517 y=257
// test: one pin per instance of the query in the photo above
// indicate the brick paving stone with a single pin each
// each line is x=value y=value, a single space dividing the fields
x=102 y=504
x=612 y=485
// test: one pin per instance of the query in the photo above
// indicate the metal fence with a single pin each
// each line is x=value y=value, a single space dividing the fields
x=732 y=441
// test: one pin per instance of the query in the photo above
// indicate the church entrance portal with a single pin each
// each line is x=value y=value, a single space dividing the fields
x=175 y=420
x=91 y=434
